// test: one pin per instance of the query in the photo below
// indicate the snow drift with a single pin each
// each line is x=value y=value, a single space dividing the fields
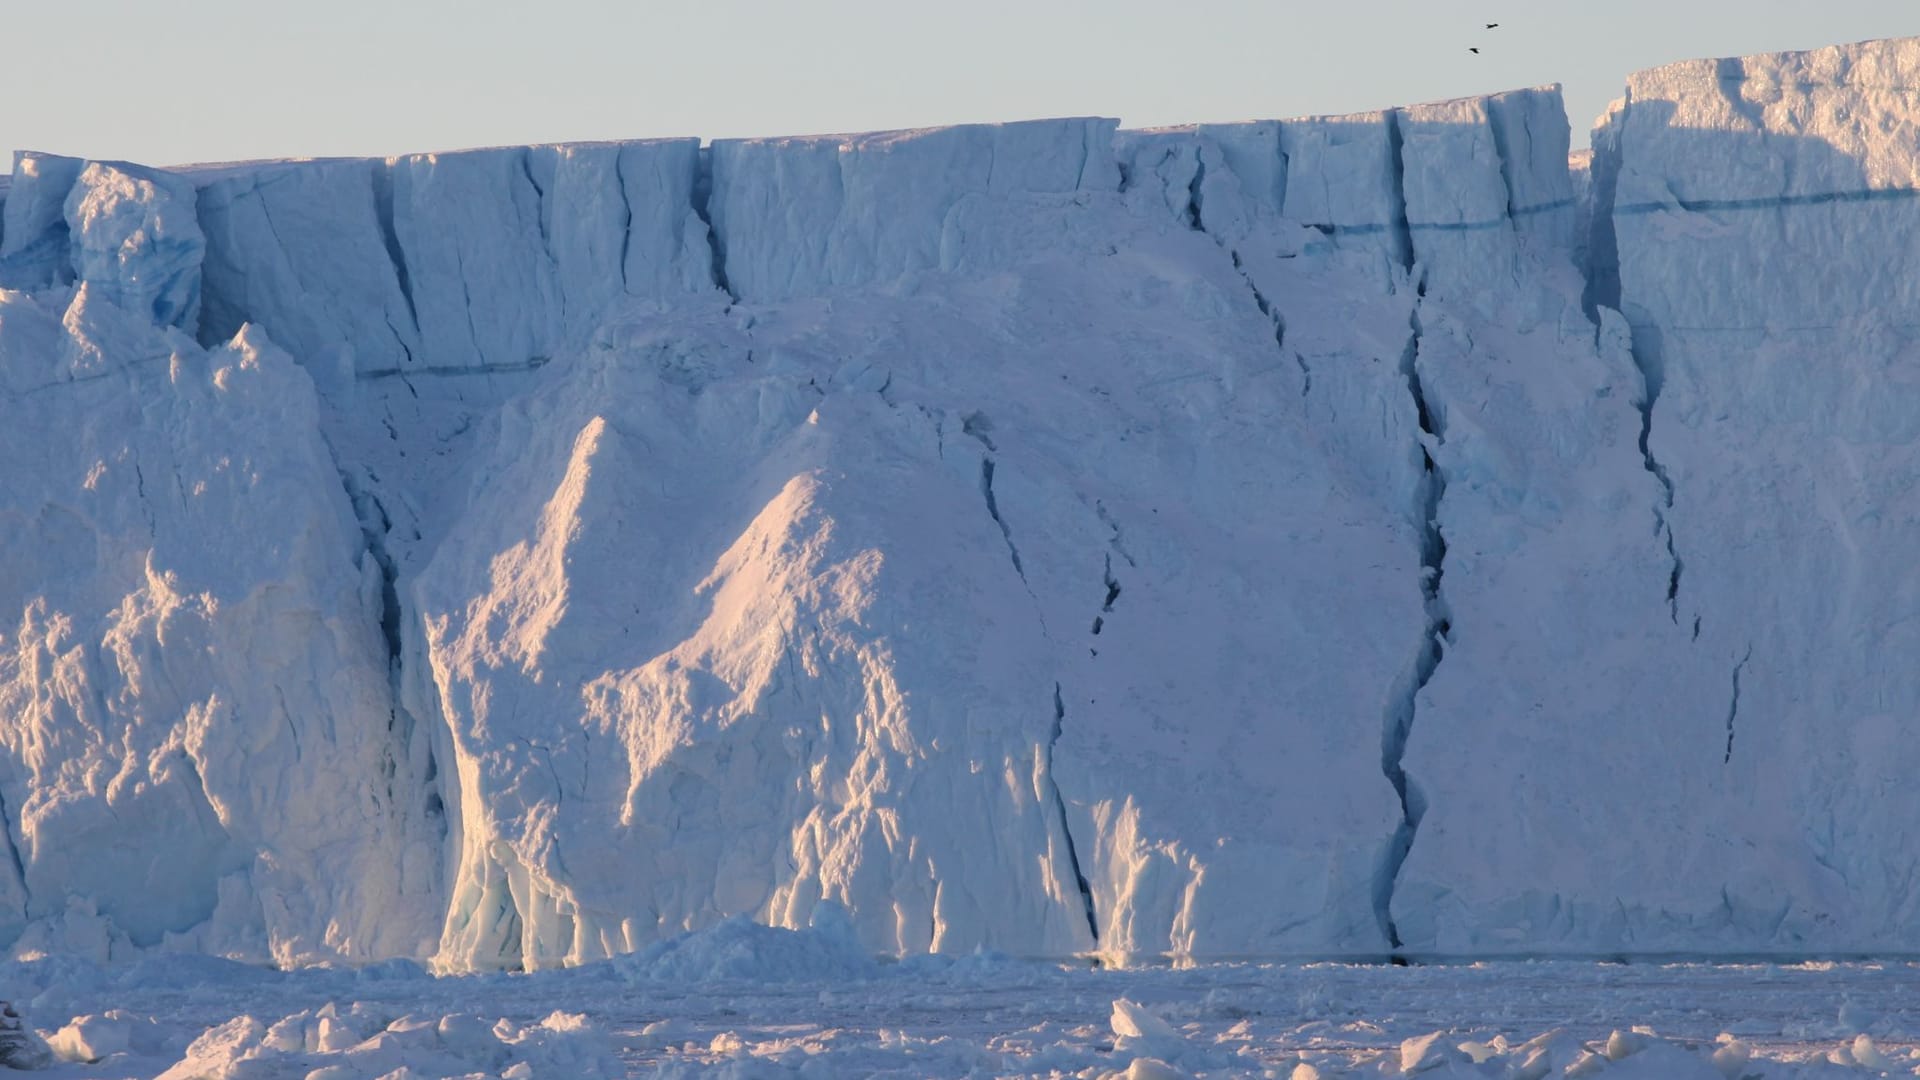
x=1322 y=537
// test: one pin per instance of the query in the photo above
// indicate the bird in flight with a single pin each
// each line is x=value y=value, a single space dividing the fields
x=1473 y=50
x=1492 y=25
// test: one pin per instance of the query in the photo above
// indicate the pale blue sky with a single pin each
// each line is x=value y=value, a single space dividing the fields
x=201 y=80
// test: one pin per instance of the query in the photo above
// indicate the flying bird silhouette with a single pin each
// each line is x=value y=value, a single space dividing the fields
x=1491 y=25
x=1473 y=50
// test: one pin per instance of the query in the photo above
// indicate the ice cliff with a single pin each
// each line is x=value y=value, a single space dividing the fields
x=1342 y=536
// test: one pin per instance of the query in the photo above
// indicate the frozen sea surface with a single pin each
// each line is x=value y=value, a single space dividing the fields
x=742 y=1000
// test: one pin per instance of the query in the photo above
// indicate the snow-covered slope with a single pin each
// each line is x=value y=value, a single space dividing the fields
x=1313 y=537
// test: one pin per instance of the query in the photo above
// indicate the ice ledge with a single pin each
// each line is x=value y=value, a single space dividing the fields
x=798 y=216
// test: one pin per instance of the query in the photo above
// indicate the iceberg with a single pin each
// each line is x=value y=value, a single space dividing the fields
x=1344 y=536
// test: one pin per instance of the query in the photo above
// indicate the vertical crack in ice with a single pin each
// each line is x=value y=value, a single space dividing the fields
x=993 y=507
x=1060 y=808
x=1526 y=127
x=626 y=204
x=1283 y=179
x=1106 y=605
x=383 y=211
x=481 y=359
x=1115 y=541
x=375 y=525
x=1436 y=633
x=977 y=425
x=539 y=204
x=1279 y=323
x=1502 y=153
x=1651 y=379
x=1603 y=290
x=702 y=208
x=407 y=352
x=13 y=834
x=146 y=510
x=1733 y=707
x=1602 y=268
x=1194 y=221
x=1194 y=188
x=1402 y=226
x=1438 y=628
x=1266 y=308
x=1673 y=577
x=293 y=731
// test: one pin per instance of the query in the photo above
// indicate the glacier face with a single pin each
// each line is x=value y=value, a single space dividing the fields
x=1320 y=537
x=198 y=748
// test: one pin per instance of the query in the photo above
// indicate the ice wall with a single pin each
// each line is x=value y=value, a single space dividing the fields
x=971 y=450
x=1336 y=536
x=131 y=231
x=33 y=230
x=795 y=217
x=307 y=249
x=1781 y=423
x=436 y=263
x=1720 y=783
x=198 y=749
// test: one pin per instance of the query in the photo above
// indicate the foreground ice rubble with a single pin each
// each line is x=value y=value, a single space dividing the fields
x=345 y=1044
x=1329 y=537
x=746 y=1000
